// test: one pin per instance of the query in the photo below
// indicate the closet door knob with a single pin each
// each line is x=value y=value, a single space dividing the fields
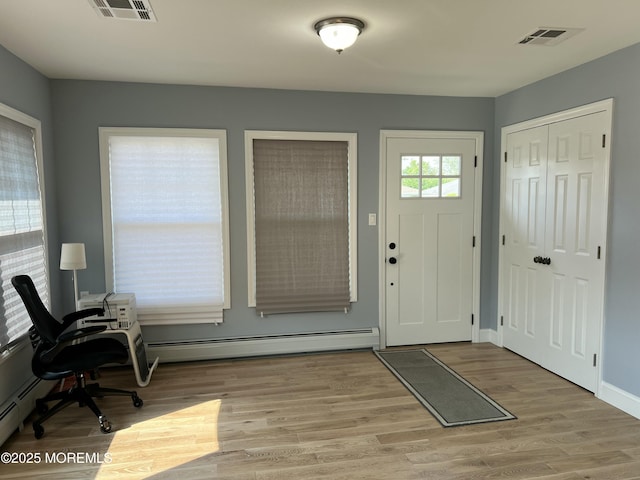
x=542 y=260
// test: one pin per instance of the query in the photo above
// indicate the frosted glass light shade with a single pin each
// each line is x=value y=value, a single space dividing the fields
x=340 y=32
x=72 y=257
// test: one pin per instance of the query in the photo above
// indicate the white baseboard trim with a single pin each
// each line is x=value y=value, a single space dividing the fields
x=18 y=406
x=620 y=399
x=488 y=335
x=272 y=345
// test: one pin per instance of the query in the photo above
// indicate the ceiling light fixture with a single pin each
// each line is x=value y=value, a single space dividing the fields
x=339 y=33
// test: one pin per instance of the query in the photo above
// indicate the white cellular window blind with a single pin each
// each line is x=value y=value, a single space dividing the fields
x=166 y=229
x=22 y=233
x=302 y=235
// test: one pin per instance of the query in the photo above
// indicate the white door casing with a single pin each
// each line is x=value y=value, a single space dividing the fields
x=431 y=292
x=554 y=200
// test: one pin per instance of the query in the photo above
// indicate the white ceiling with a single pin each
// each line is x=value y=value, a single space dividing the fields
x=429 y=47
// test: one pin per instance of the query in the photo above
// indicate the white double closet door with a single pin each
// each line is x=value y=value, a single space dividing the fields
x=554 y=227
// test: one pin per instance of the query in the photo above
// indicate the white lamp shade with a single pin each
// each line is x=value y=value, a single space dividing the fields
x=339 y=35
x=72 y=257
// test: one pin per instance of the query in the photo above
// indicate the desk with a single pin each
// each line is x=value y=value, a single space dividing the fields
x=137 y=352
x=120 y=311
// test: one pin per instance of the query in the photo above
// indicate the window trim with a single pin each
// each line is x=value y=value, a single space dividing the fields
x=36 y=125
x=352 y=149
x=164 y=316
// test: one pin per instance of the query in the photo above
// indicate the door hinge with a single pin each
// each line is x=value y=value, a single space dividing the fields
x=503 y=239
x=475 y=161
x=473 y=243
x=603 y=140
x=472 y=319
x=502 y=320
x=594 y=359
x=505 y=157
x=599 y=250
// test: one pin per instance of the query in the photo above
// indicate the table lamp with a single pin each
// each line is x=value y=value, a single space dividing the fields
x=72 y=257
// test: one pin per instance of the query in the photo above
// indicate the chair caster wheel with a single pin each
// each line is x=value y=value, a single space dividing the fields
x=38 y=431
x=105 y=426
x=137 y=401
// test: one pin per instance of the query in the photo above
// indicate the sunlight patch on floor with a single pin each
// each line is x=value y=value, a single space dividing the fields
x=163 y=442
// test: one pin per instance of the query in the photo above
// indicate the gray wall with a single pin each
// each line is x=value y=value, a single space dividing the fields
x=26 y=90
x=81 y=107
x=614 y=76
x=77 y=109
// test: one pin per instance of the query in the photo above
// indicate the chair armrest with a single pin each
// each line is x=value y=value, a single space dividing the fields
x=69 y=318
x=66 y=338
x=79 y=333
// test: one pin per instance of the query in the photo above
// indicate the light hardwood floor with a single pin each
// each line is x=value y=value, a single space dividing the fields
x=334 y=416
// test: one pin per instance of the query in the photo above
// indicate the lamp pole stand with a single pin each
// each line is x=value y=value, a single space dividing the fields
x=75 y=289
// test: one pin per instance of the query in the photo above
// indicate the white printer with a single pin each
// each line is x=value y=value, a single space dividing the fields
x=119 y=310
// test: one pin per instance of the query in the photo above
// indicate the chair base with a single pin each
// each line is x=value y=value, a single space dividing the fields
x=82 y=394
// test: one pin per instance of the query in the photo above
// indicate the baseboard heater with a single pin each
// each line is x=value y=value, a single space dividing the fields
x=213 y=349
x=18 y=407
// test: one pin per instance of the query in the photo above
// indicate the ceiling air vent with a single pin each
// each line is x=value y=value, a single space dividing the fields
x=548 y=36
x=139 y=10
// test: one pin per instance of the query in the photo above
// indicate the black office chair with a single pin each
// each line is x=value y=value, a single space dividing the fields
x=56 y=356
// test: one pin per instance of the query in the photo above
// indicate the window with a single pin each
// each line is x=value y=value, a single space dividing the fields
x=301 y=211
x=166 y=227
x=23 y=248
x=430 y=176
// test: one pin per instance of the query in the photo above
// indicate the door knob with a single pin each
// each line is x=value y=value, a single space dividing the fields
x=542 y=260
x=393 y=260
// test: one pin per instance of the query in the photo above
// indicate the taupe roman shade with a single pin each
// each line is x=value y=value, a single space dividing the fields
x=301 y=225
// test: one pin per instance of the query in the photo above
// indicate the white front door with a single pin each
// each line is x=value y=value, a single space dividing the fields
x=554 y=225
x=429 y=238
